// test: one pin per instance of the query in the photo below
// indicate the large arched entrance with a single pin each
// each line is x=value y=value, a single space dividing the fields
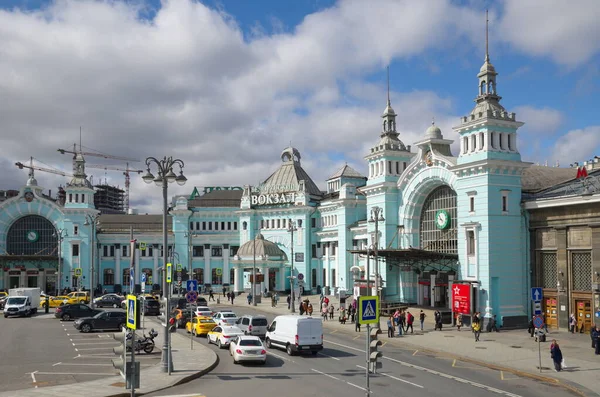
x=437 y=232
x=31 y=253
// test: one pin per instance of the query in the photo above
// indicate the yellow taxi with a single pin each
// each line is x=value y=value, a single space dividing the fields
x=56 y=301
x=80 y=296
x=3 y=294
x=200 y=325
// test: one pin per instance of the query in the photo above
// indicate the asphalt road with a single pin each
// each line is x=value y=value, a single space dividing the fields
x=43 y=351
x=338 y=371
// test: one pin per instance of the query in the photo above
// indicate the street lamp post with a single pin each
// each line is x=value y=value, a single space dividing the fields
x=164 y=177
x=376 y=217
x=253 y=283
x=92 y=221
x=292 y=228
x=60 y=234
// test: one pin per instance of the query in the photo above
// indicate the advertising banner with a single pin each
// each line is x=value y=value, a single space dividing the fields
x=461 y=298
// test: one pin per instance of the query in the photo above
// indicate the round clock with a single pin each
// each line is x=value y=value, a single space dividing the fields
x=32 y=236
x=28 y=197
x=442 y=219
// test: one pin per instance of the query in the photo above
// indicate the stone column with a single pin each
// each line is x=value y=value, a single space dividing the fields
x=327 y=266
x=563 y=280
x=118 y=272
x=207 y=272
x=449 y=291
x=265 y=272
x=237 y=283
x=432 y=290
x=225 y=276
x=595 y=270
x=155 y=278
x=281 y=271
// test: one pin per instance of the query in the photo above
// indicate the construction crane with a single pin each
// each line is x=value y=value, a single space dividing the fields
x=105 y=156
x=31 y=168
x=126 y=172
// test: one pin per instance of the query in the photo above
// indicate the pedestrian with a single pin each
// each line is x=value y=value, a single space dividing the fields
x=422 y=319
x=310 y=309
x=531 y=328
x=331 y=310
x=402 y=319
x=289 y=300
x=390 y=325
x=409 y=322
x=324 y=312
x=493 y=324
x=249 y=298
x=276 y=298
x=272 y=300
x=224 y=292
x=232 y=296
x=438 y=320
x=357 y=324
x=572 y=321
x=352 y=312
x=595 y=335
x=301 y=308
x=476 y=326
x=556 y=355
x=211 y=295
x=459 y=321
x=396 y=316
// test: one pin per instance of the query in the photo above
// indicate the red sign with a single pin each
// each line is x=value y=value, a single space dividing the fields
x=461 y=298
x=581 y=172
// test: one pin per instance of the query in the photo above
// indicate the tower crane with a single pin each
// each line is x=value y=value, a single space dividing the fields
x=31 y=168
x=105 y=156
x=126 y=172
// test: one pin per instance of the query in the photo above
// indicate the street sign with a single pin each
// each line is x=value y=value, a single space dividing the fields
x=368 y=309
x=192 y=285
x=219 y=271
x=77 y=272
x=169 y=272
x=538 y=322
x=143 y=278
x=300 y=276
x=149 y=279
x=143 y=287
x=142 y=246
x=536 y=294
x=537 y=308
x=179 y=278
x=179 y=267
x=131 y=280
x=191 y=296
x=132 y=312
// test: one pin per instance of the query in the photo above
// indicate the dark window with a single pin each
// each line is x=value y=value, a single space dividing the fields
x=472 y=204
x=504 y=203
x=216 y=251
x=109 y=277
x=75 y=249
x=313 y=277
x=198 y=250
x=20 y=242
x=198 y=274
x=216 y=225
x=314 y=250
x=105 y=250
x=203 y=225
x=124 y=250
x=470 y=242
x=150 y=251
x=191 y=225
x=299 y=223
x=222 y=225
x=313 y=222
x=233 y=250
x=125 y=279
x=216 y=279
x=234 y=225
x=389 y=167
x=70 y=197
x=76 y=197
x=210 y=225
x=397 y=167
x=112 y=250
x=246 y=321
x=228 y=225
x=197 y=225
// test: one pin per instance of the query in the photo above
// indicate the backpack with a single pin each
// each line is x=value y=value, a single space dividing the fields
x=411 y=318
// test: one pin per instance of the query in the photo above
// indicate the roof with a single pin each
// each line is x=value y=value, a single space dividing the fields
x=263 y=247
x=124 y=222
x=348 y=172
x=537 y=177
x=290 y=174
x=218 y=198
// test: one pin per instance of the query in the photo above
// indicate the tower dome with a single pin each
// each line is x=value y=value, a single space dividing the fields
x=434 y=132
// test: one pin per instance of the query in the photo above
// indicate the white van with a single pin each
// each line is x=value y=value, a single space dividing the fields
x=295 y=334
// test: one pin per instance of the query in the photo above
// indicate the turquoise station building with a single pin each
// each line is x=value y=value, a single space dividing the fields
x=426 y=218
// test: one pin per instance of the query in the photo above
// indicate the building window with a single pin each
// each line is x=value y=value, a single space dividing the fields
x=210 y=225
x=278 y=223
x=124 y=250
x=505 y=201
x=501 y=141
x=105 y=250
x=549 y=269
x=109 y=277
x=581 y=267
x=473 y=142
x=203 y=225
x=191 y=225
x=112 y=251
x=150 y=251
x=198 y=250
x=83 y=198
x=216 y=251
x=299 y=223
x=125 y=279
x=75 y=249
x=222 y=225
x=216 y=225
x=235 y=226
x=313 y=222
x=76 y=230
x=228 y=225
x=216 y=279
x=70 y=197
x=198 y=274
x=470 y=242
x=142 y=252
x=471 y=204
x=333 y=281
x=233 y=250
x=313 y=278
x=465 y=144
x=433 y=238
x=76 y=197
x=493 y=140
x=262 y=223
x=481 y=137
x=389 y=167
x=314 y=251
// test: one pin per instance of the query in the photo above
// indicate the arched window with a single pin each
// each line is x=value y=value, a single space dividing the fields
x=245 y=225
x=481 y=138
x=493 y=140
x=482 y=88
x=466 y=144
x=501 y=141
x=433 y=238
x=198 y=274
x=109 y=277
x=32 y=235
x=473 y=142
x=510 y=142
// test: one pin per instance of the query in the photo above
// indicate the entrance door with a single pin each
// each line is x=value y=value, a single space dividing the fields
x=551 y=312
x=272 y=279
x=32 y=281
x=440 y=295
x=50 y=283
x=13 y=281
x=584 y=315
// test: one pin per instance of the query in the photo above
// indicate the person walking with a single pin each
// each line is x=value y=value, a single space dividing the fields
x=422 y=319
x=438 y=320
x=289 y=301
x=325 y=312
x=531 y=327
x=357 y=325
x=556 y=355
x=390 y=325
x=595 y=335
x=459 y=321
x=276 y=299
x=310 y=309
x=493 y=324
x=409 y=322
x=572 y=322
x=476 y=329
x=331 y=310
x=232 y=296
x=249 y=299
x=211 y=295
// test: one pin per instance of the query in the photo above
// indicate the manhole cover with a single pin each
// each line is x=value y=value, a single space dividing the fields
x=516 y=347
x=407 y=376
x=480 y=347
x=448 y=336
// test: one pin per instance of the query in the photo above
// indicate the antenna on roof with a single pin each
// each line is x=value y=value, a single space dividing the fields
x=80 y=139
x=388 y=84
x=487 y=53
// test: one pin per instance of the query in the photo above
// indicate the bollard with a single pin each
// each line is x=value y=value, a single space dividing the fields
x=47 y=308
x=218 y=300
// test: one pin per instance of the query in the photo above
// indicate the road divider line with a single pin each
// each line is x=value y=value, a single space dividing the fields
x=54 y=365
x=347 y=347
x=281 y=357
x=393 y=377
x=328 y=356
x=79 y=373
x=33 y=378
x=357 y=386
x=356 y=337
x=323 y=373
x=78 y=364
x=415 y=353
x=97 y=343
x=92 y=348
x=334 y=331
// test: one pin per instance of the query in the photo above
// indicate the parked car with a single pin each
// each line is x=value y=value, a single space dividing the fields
x=253 y=325
x=222 y=336
x=200 y=325
x=247 y=348
x=96 y=299
x=104 y=321
x=151 y=307
x=109 y=300
x=57 y=301
x=76 y=310
x=80 y=296
x=225 y=318
x=201 y=301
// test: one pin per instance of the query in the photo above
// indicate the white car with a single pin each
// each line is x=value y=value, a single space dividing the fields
x=225 y=318
x=203 y=311
x=247 y=348
x=222 y=336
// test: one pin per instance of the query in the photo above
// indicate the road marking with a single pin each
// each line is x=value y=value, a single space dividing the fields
x=54 y=365
x=78 y=364
x=93 y=348
x=96 y=343
x=281 y=357
x=415 y=353
x=502 y=377
x=356 y=337
x=328 y=356
x=474 y=367
x=33 y=378
x=431 y=371
x=79 y=373
x=323 y=373
x=383 y=343
x=334 y=331
x=357 y=386
x=393 y=377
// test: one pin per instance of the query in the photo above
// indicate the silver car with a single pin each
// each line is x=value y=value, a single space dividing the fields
x=253 y=325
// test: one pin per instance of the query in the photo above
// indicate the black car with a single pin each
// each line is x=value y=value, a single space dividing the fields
x=201 y=301
x=151 y=307
x=76 y=310
x=103 y=321
x=109 y=301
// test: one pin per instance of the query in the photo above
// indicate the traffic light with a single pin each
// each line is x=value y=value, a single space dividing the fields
x=121 y=350
x=374 y=354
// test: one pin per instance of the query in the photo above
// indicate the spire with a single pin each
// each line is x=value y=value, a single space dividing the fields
x=389 y=116
x=487 y=52
x=388 y=86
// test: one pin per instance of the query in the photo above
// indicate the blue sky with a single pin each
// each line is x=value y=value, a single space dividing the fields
x=235 y=81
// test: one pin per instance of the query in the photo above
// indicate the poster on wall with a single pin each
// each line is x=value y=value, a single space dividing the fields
x=461 y=298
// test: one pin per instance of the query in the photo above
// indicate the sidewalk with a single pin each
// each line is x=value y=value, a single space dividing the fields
x=187 y=364
x=514 y=351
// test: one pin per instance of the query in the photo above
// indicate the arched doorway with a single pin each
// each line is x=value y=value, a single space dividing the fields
x=438 y=226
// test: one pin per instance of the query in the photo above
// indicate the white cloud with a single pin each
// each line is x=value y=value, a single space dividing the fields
x=577 y=145
x=564 y=31
x=539 y=120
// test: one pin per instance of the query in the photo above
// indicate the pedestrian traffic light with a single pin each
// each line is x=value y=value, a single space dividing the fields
x=374 y=354
x=121 y=350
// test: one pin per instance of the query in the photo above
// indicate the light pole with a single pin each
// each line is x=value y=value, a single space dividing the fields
x=292 y=228
x=92 y=221
x=164 y=177
x=376 y=217
x=254 y=272
x=60 y=234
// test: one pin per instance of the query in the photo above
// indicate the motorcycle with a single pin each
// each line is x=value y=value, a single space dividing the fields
x=145 y=343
